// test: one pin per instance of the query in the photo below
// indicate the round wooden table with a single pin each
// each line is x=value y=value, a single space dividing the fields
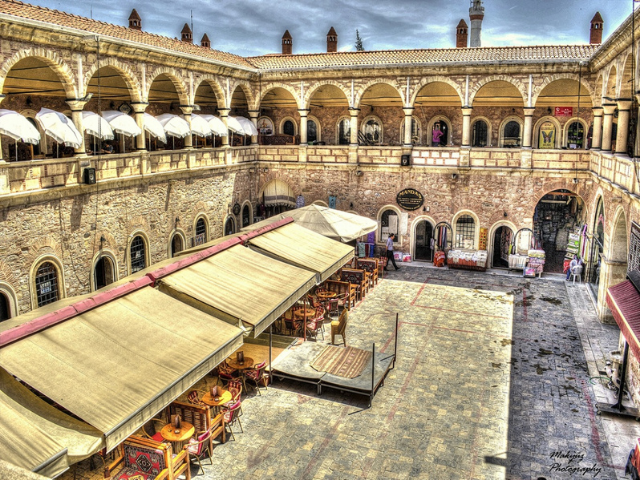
x=224 y=396
x=299 y=313
x=326 y=295
x=233 y=363
x=177 y=436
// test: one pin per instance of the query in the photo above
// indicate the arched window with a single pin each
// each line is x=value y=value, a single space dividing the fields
x=480 y=134
x=511 y=135
x=344 y=132
x=177 y=245
x=372 y=130
x=230 y=227
x=465 y=232
x=5 y=312
x=575 y=135
x=138 y=254
x=388 y=224
x=201 y=232
x=416 y=132
x=288 y=128
x=104 y=273
x=440 y=131
x=47 y=290
x=312 y=131
x=246 y=216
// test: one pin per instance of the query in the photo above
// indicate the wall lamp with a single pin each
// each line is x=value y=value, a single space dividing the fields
x=265 y=169
x=358 y=173
x=454 y=176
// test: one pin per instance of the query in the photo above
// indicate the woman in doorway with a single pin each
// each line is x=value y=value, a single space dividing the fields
x=437 y=134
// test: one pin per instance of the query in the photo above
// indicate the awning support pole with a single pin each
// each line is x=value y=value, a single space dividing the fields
x=373 y=373
x=618 y=408
x=270 y=350
x=395 y=347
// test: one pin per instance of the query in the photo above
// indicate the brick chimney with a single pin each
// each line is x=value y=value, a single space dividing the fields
x=205 y=41
x=332 y=41
x=462 y=34
x=135 y=22
x=596 y=29
x=287 y=43
x=187 y=35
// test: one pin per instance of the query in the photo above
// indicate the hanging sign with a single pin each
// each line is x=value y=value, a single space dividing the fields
x=564 y=112
x=547 y=135
x=410 y=199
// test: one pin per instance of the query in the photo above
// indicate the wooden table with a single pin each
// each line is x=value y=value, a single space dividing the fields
x=299 y=313
x=326 y=295
x=233 y=363
x=224 y=396
x=177 y=436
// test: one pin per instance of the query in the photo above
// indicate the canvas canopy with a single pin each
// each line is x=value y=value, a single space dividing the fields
x=117 y=365
x=278 y=193
x=242 y=286
x=301 y=247
x=41 y=438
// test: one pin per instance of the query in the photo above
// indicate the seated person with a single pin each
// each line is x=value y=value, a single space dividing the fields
x=107 y=148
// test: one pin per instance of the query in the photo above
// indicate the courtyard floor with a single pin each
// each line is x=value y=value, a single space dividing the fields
x=494 y=379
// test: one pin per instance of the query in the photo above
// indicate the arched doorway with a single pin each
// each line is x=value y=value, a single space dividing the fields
x=177 y=245
x=246 y=216
x=5 y=311
x=423 y=241
x=230 y=226
x=597 y=247
x=104 y=273
x=502 y=238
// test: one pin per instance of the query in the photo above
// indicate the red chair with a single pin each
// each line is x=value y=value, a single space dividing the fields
x=235 y=388
x=200 y=447
x=231 y=416
x=257 y=375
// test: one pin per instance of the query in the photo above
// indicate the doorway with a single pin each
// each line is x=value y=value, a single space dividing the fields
x=103 y=273
x=501 y=242
x=424 y=235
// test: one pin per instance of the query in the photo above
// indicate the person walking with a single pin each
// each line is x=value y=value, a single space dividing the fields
x=390 y=256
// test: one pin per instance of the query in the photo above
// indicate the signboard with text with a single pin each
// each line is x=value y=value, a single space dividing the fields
x=564 y=112
x=410 y=199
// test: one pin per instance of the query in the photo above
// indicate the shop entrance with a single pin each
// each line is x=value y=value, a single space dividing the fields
x=424 y=234
x=558 y=228
x=501 y=243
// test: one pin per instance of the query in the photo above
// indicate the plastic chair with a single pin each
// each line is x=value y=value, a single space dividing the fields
x=256 y=375
x=231 y=417
x=576 y=272
x=199 y=447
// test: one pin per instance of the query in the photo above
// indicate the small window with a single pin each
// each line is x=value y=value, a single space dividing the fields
x=465 y=232
x=201 y=232
x=230 y=227
x=176 y=245
x=46 y=284
x=138 y=255
x=480 y=133
x=246 y=216
x=288 y=128
x=5 y=313
x=388 y=224
x=312 y=131
x=372 y=131
x=344 y=132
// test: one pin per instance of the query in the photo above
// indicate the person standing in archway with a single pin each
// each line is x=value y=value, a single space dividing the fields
x=390 y=256
x=437 y=134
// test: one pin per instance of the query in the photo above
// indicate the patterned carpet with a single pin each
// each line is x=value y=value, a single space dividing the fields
x=347 y=362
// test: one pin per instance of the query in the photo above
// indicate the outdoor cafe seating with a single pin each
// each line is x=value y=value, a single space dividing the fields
x=345 y=292
x=356 y=277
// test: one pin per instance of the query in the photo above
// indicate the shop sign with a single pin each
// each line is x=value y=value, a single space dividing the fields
x=410 y=199
x=634 y=248
x=564 y=112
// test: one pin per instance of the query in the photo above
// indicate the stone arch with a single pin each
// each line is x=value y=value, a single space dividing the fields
x=316 y=86
x=138 y=222
x=7 y=282
x=559 y=184
x=58 y=265
x=413 y=228
x=44 y=246
x=175 y=78
x=52 y=59
x=128 y=75
x=432 y=122
x=492 y=231
x=270 y=86
x=213 y=82
x=363 y=89
x=172 y=234
x=565 y=130
x=498 y=78
x=609 y=87
x=481 y=118
x=296 y=127
x=618 y=246
x=108 y=243
x=623 y=81
x=562 y=76
x=207 y=229
x=379 y=235
x=246 y=203
x=427 y=80
x=476 y=220
x=503 y=124
x=246 y=88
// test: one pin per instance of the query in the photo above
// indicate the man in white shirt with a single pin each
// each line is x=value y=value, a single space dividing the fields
x=577 y=261
x=390 y=256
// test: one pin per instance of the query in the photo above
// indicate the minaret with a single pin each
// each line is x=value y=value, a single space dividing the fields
x=332 y=40
x=476 y=14
x=287 y=43
x=187 y=35
x=596 y=29
x=461 y=34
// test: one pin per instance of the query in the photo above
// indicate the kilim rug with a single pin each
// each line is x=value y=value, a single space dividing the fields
x=347 y=362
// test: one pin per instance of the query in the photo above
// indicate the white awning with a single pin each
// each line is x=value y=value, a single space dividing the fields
x=121 y=123
x=199 y=125
x=217 y=126
x=234 y=125
x=16 y=126
x=174 y=125
x=278 y=193
x=59 y=127
x=247 y=125
x=97 y=126
x=154 y=127
x=119 y=364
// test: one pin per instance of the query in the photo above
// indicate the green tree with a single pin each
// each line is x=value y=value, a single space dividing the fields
x=359 y=46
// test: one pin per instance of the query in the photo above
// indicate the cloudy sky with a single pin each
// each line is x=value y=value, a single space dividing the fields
x=255 y=27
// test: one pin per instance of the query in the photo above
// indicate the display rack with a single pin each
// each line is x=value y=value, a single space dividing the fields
x=467 y=259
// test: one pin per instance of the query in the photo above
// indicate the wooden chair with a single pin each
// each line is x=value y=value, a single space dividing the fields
x=231 y=417
x=346 y=292
x=358 y=278
x=200 y=417
x=339 y=327
x=371 y=266
x=159 y=462
x=257 y=375
x=199 y=448
x=151 y=429
x=193 y=398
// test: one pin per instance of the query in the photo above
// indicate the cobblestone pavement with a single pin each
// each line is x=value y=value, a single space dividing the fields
x=491 y=382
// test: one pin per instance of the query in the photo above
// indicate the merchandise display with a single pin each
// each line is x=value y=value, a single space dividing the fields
x=467 y=259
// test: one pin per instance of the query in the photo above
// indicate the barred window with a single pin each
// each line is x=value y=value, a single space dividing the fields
x=46 y=284
x=138 y=255
x=176 y=245
x=201 y=232
x=388 y=224
x=465 y=232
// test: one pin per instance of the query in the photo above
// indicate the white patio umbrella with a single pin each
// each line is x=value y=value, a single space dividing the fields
x=154 y=127
x=59 y=127
x=121 y=123
x=247 y=125
x=14 y=125
x=217 y=126
x=234 y=125
x=199 y=125
x=97 y=126
x=174 y=125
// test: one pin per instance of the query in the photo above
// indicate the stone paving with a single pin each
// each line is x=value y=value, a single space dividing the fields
x=491 y=382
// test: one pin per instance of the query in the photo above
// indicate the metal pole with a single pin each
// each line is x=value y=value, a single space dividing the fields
x=373 y=373
x=304 y=305
x=270 y=349
x=395 y=347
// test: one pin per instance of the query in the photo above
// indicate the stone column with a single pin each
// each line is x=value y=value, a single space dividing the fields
x=636 y=147
x=303 y=125
x=408 y=121
x=224 y=114
x=138 y=114
x=353 y=125
x=607 y=126
x=76 y=116
x=623 y=126
x=527 y=131
x=188 y=140
x=596 y=139
x=253 y=115
x=466 y=126
x=2 y=97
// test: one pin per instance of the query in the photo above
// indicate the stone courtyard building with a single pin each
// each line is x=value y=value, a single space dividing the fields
x=536 y=140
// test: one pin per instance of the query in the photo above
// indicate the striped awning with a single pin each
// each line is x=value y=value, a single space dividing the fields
x=624 y=301
x=279 y=193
